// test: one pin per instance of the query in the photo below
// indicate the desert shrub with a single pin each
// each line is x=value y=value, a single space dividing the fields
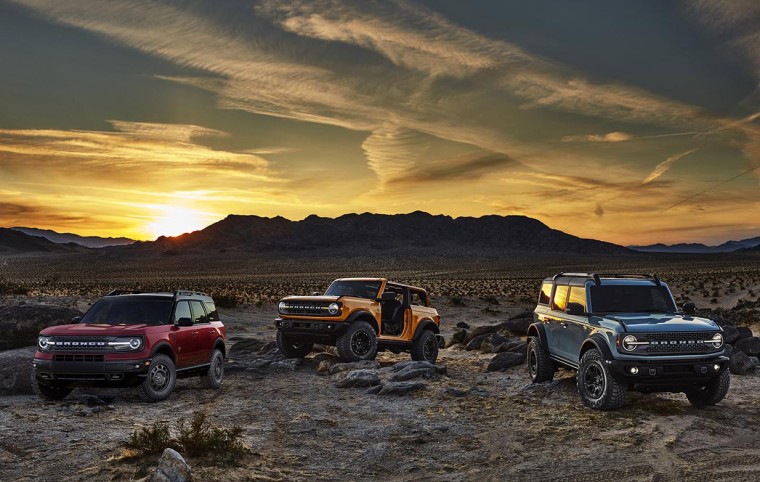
x=196 y=439
x=7 y=288
x=151 y=440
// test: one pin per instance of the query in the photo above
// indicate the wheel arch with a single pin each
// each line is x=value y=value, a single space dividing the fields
x=426 y=324
x=364 y=315
x=219 y=344
x=598 y=342
x=538 y=330
x=164 y=348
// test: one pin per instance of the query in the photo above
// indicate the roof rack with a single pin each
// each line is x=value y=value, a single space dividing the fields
x=124 y=292
x=179 y=293
x=598 y=276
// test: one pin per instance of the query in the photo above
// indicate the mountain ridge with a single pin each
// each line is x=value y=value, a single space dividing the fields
x=380 y=232
x=64 y=238
x=12 y=241
x=699 y=248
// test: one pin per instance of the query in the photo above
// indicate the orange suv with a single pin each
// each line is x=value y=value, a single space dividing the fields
x=360 y=316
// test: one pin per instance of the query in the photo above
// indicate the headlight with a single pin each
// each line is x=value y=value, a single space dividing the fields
x=126 y=344
x=281 y=306
x=629 y=343
x=333 y=308
x=44 y=343
x=717 y=340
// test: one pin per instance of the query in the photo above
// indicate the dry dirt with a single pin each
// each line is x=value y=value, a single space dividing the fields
x=468 y=425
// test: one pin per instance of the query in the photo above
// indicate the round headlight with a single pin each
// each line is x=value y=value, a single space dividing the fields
x=135 y=343
x=333 y=308
x=43 y=343
x=629 y=343
x=717 y=340
x=281 y=306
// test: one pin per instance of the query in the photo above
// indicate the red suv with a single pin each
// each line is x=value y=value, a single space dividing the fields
x=131 y=338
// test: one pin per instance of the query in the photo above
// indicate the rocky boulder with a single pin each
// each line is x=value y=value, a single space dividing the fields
x=744 y=332
x=741 y=364
x=731 y=334
x=358 y=378
x=750 y=346
x=16 y=371
x=505 y=360
x=172 y=468
x=409 y=370
x=396 y=388
x=21 y=324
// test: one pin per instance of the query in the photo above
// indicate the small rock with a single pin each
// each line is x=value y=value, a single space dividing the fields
x=493 y=343
x=456 y=392
x=463 y=324
x=518 y=325
x=475 y=343
x=730 y=334
x=359 y=378
x=750 y=346
x=93 y=400
x=16 y=371
x=741 y=364
x=398 y=388
x=755 y=361
x=364 y=364
x=172 y=468
x=480 y=331
x=458 y=337
x=111 y=407
x=505 y=360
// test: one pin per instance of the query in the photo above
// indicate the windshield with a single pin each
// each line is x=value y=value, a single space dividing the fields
x=359 y=289
x=129 y=312
x=631 y=299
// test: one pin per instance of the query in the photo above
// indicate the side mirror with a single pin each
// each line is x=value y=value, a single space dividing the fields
x=689 y=308
x=315 y=293
x=184 y=322
x=76 y=319
x=575 y=309
x=387 y=296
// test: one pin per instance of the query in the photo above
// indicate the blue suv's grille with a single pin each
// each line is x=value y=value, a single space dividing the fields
x=673 y=343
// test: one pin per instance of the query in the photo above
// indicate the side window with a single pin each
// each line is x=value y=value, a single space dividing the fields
x=419 y=298
x=182 y=311
x=213 y=315
x=578 y=295
x=199 y=314
x=546 y=294
x=560 y=298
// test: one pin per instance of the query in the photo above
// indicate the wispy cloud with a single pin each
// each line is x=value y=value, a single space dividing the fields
x=392 y=151
x=665 y=165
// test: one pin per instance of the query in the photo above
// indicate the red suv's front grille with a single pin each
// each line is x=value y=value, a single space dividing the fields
x=80 y=343
x=79 y=358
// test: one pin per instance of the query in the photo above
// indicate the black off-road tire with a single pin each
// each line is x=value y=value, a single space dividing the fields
x=358 y=343
x=711 y=393
x=47 y=392
x=292 y=349
x=597 y=388
x=425 y=348
x=162 y=376
x=213 y=377
x=540 y=366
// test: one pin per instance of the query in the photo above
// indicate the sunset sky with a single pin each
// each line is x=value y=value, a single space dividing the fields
x=631 y=122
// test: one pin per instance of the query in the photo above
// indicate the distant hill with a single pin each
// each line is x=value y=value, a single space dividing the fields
x=12 y=241
x=698 y=248
x=416 y=232
x=63 y=238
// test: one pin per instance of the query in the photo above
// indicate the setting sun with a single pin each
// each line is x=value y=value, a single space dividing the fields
x=174 y=221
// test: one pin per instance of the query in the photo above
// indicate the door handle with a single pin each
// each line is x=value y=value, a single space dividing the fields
x=195 y=333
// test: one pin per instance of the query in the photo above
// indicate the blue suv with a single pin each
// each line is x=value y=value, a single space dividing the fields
x=624 y=332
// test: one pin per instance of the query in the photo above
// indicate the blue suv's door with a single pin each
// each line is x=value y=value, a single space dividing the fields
x=555 y=327
x=575 y=328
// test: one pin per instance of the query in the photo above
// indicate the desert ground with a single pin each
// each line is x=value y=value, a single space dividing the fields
x=465 y=424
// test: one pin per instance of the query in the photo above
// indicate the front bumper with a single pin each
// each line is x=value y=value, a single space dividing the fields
x=667 y=373
x=108 y=373
x=311 y=330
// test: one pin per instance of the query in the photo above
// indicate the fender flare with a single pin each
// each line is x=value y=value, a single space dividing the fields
x=219 y=343
x=600 y=343
x=365 y=315
x=158 y=346
x=426 y=324
x=538 y=330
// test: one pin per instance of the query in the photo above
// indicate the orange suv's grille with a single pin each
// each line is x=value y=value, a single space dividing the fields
x=301 y=308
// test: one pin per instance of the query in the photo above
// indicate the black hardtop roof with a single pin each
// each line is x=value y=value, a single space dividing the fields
x=580 y=279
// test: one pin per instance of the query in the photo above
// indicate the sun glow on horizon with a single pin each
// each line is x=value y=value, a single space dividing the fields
x=174 y=220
